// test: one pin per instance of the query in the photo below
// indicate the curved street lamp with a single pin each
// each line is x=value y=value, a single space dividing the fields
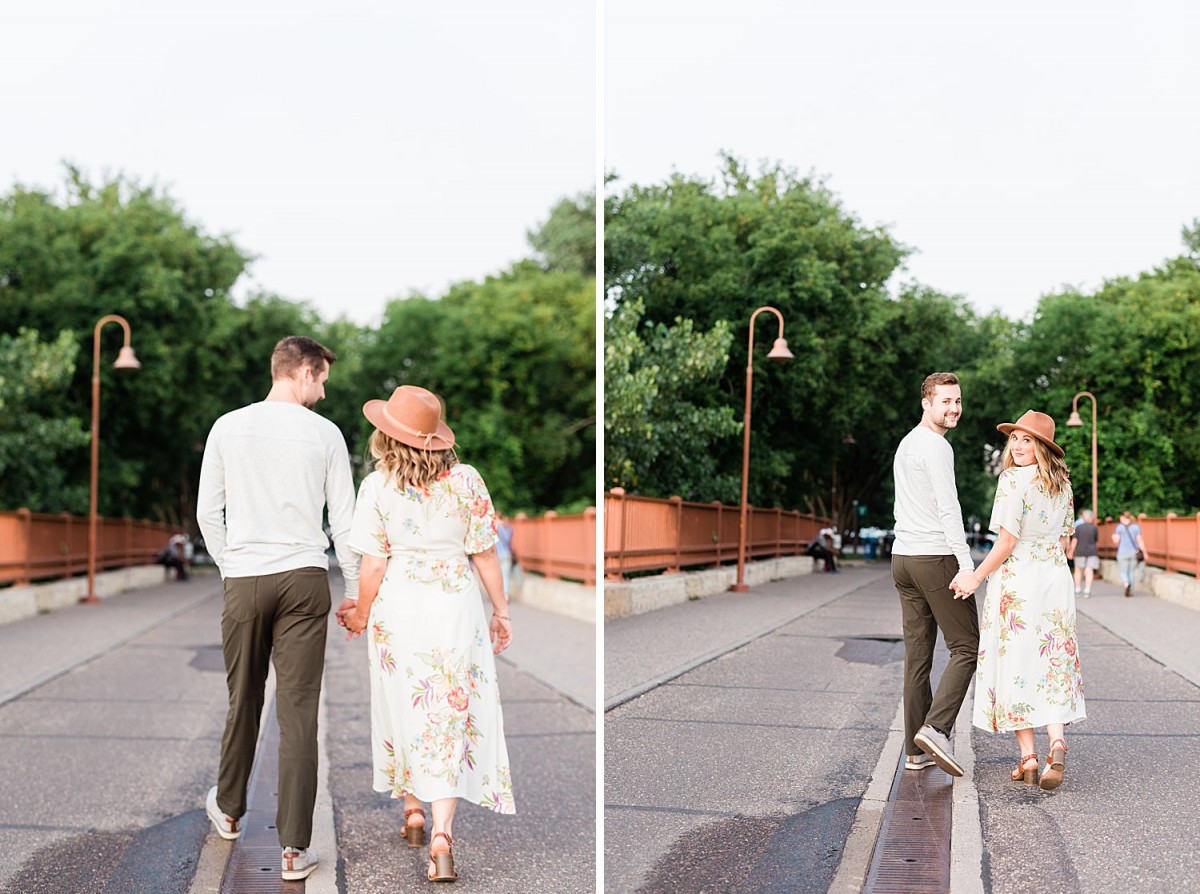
x=1076 y=422
x=125 y=360
x=779 y=351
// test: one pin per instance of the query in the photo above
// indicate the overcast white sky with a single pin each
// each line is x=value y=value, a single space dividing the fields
x=1017 y=147
x=362 y=150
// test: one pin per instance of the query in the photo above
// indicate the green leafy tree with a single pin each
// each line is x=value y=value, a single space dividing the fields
x=37 y=431
x=1134 y=344
x=660 y=418
x=66 y=261
x=566 y=242
x=714 y=251
x=513 y=358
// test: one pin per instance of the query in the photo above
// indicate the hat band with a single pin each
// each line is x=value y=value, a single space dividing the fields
x=427 y=435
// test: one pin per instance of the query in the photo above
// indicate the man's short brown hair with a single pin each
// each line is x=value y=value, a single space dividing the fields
x=929 y=387
x=296 y=351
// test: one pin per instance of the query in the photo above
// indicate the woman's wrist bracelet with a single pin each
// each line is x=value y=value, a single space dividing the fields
x=501 y=617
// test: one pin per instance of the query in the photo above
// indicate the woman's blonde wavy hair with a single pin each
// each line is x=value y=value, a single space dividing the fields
x=407 y=466
x=1051 y=468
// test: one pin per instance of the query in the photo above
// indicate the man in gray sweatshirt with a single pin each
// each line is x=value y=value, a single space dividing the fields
x=930 y=561
x=269 y=471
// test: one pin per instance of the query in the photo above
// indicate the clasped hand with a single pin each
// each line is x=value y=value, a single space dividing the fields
x=964 y=584
x=348 y=617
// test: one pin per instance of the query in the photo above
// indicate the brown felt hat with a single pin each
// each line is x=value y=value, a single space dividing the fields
x=413 y=416
x=1039 y=425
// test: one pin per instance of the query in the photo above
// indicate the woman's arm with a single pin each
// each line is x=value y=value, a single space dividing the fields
x=1005 y=543
x=487 y=563
x=370 y=576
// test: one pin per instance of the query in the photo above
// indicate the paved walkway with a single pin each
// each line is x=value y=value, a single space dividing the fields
x=110 y=724
x=750 y=768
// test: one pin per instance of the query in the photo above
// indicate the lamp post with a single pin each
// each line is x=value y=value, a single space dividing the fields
x=125 y=360
x=1076 y=422
x=779 y=351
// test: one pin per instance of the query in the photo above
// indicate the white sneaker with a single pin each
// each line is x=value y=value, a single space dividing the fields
x=227 y=827
x=919 y=762
x=298 y=863
x=937 y=746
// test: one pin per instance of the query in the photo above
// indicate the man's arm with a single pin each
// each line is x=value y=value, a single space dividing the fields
x=339 y=498
x=210 y=501
x=945 y=496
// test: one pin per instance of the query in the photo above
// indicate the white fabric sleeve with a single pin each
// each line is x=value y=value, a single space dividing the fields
x=1008 y=510
x=945 y=495
x=339 y=498
x=368 y=531
x=210 y=500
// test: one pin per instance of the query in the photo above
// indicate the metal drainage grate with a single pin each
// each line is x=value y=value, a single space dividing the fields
x=912 y=854
x=254 y=864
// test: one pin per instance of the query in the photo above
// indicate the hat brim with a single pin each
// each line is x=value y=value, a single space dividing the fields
x=1007 y=428
x=377 y=414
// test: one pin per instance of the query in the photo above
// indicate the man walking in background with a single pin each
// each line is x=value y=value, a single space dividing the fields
x=930 y=559
x=269 y=471
x=1086 y=552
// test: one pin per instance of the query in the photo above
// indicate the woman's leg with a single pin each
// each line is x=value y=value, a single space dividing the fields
x=412 y=802
x=1026 y=746
x=1056 y=757
x=443 y=821
x=1025 y=741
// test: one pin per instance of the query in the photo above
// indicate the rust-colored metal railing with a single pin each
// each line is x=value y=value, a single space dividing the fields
x=34 y=546
x=1172 y=541
x=557 y=546
x=650 y=534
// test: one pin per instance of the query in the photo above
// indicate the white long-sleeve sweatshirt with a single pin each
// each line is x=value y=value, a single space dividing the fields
x=928 y=517
x=269 y=471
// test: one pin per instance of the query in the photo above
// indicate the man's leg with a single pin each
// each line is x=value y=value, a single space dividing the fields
x=299 y=640
x=920 y=634
x=246 y=638
x=959 y=622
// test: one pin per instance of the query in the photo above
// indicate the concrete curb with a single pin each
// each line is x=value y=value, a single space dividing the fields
x=567 y=598
x=864 y=832
x=966 y=836
x=646 y=594
x=966 y=828
x=26 y=601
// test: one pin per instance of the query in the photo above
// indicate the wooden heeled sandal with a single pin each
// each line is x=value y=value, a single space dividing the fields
x=414 y=835
x=1056 y=764
x=1020 y=774
x=443 y=864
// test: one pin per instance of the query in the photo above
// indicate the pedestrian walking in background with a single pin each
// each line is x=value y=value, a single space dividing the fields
x=422 y=519
x=1029 y=671
x=1085 y=550
x=504 y=551
x=1131 y=549
x=930 y=557
x=269 y=471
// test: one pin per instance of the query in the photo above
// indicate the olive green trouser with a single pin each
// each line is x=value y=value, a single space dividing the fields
x=926 y=604
x=283 y=617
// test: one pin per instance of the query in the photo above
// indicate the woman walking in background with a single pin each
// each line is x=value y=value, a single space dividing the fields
x=421 y=520
x=1131 y=549
x=1028 y=674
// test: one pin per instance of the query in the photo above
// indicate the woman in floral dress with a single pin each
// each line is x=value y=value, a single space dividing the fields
x=421 y=521
x=1028 y=672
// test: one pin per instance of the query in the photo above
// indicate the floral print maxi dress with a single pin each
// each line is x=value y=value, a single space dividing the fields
x=437 y=730
x=1028 y=670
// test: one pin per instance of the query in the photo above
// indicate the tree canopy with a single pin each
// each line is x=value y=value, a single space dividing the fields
x=705 y=253
x=512 y=356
